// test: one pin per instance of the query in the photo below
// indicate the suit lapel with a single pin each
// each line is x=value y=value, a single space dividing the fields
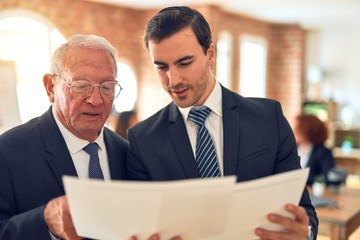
x=181 y=143
x=231 y=125
x=59 y=158
x=114 y=166
x=114 y=157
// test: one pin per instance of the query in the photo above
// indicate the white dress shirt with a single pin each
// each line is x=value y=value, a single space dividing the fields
x=80 y=158
x=305 y=153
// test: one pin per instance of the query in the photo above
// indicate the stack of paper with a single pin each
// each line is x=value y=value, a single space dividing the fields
x=194 y=209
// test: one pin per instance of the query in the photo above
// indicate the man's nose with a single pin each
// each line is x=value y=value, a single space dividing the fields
x=174 y=77
x=95 y=96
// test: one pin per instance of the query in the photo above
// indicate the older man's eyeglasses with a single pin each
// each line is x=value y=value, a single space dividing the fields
x=82 y=88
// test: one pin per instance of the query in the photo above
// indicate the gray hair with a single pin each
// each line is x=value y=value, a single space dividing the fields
x=80 y=41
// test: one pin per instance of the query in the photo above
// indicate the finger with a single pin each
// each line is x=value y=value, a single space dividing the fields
x=176 y=238
x=155 y=237
x=299 y=213
x=278 y=235
x=296 y=228
x=52 y=218
x=300 y=217
x=57 y=217
x=301 y=222
x=262 y=233
x=292 y=225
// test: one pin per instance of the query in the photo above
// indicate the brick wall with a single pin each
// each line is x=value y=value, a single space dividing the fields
x=286 y=67
x=123 y=27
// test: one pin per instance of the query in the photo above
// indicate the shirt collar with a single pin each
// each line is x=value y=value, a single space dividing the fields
x=74 y=143
x=214 y=102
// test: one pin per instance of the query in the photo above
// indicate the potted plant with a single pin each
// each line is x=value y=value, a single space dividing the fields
x=319 y=185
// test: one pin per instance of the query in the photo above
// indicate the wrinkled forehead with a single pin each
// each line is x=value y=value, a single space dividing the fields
x=76 y=58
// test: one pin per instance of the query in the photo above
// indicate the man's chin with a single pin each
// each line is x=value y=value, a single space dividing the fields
x=182 y=102
x=91 y=127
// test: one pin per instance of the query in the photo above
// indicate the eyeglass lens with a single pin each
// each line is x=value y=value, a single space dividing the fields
x=83 y=89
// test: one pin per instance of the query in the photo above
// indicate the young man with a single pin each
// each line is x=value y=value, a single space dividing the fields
x=251 y=137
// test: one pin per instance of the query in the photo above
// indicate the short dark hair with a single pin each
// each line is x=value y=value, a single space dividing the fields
x=171 y=20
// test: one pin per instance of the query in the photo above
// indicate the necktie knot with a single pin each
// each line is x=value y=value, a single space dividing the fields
x=92 y=149
x=199 y=114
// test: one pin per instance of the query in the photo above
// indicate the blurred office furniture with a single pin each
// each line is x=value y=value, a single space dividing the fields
x=318 y=108
x=347 y=150
x=340 y=220
x=347 y=138
x=351 y=164
x=336 y=178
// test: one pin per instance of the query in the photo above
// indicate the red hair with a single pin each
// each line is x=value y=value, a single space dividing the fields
x=312 y=128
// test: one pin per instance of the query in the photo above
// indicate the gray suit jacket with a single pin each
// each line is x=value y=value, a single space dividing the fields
x=33 y=159
x=258 y=142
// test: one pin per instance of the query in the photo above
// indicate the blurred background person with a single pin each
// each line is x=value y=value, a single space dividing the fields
x=311 y=134
x=125 y=120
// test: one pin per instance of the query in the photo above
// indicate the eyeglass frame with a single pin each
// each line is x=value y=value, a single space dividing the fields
x=92 y=87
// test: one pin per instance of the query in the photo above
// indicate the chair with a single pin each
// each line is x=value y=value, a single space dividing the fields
x=337 y=176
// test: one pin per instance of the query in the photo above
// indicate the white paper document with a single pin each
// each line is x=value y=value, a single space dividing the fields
x=196 y=209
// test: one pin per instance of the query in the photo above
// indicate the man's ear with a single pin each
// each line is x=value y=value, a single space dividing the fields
x=49 y=84
x=211 y=54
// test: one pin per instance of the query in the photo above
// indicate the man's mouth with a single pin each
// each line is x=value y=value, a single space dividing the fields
x=92 y=114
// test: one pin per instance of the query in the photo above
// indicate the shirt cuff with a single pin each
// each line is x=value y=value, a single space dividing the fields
x=310 y=234
x=53 y=237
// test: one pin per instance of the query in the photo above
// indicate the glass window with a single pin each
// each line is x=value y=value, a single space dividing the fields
x=252 y=66
x=29 y=43
x=127 y=99
x=223 y=59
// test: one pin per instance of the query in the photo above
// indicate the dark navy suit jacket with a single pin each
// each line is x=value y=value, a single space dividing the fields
x=258 y=142
x=320 y=162
x=33 y=159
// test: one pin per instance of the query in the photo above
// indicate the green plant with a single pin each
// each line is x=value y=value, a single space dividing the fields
x=319 y=178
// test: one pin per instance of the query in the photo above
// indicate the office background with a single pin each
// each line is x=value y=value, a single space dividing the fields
x=302 y=63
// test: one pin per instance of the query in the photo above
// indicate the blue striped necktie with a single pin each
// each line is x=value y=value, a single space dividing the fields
x=205 y=150
x=94 y=163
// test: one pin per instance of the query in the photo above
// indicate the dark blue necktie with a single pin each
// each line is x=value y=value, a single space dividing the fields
x=94 y=163
x=205 y=150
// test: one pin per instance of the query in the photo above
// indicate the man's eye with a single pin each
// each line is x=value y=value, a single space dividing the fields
x=185 y=63
x=161 y=67
x=81 y=87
